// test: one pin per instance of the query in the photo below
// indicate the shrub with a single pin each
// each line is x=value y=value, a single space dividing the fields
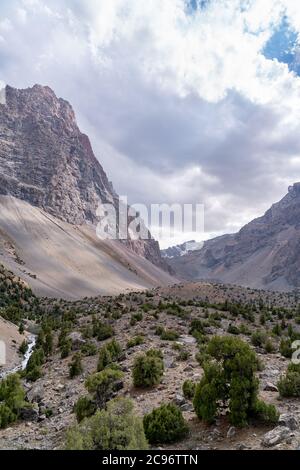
x=84 y=408
x=232 y=329
x=165 y=424
x=48 y=344
x=33 y=369
x=135 y=318
x=169 y=335
x=12 y=399
x=286 y=348
x=269 y=346
x=229 y=375
x=188 y=389
x=258 y=338
x=196 y=327
x=148 y=369
x=108 y=354
x=65 y=348
x=136 y=341
x=89 y=349
x=102 y=330
x=183 y=355
x=159 y=330
x=289 y=385
x=265 y=413
x=75 y=367
x=116 y=428
x=23 y=348
x=102 y=385
x=7 y=416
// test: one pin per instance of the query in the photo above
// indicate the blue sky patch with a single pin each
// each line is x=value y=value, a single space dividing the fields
x=284 y=46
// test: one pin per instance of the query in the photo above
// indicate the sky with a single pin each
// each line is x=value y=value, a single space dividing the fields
x=185 y=101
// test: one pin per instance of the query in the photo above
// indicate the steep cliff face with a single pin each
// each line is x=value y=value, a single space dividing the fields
x=265 y=253
x=47 y=161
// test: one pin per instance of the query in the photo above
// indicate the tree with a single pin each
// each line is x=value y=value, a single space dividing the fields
x=289 y=385
x=102 y=385
x=165 y=424
x=23 y=348
x=116 y=428
x=148 y=369
x=84 y=408
x=229 y=376
x=108 y=354
x=75 y=367
x=33 y=368
x=48 y=345
x=12 y=399
x=188 y=389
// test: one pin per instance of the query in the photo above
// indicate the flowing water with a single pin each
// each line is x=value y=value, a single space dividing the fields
x=27 y=355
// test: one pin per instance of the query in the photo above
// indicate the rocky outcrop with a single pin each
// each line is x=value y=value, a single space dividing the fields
x=47 y=161
x=263 y=254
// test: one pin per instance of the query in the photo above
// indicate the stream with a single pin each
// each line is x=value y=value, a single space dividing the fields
x=27 y=355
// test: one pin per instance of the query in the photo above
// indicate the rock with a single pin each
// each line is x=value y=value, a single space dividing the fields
x=269 y=387
x=42 y=418
x=77 y=340
x=242 y=447
x=29 y=414
x=186 y=339
x=59 y=387
x=187 y=407
x=274 y=437
x=289 y=421
x=119 y=385
x=179 y=400
x=231 y=432
x=35 y=394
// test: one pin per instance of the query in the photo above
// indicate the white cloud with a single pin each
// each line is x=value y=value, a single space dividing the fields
x=180 y=107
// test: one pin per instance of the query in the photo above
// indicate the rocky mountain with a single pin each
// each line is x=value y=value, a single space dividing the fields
x=263 y=254
x=182 y=249
x=47 y=162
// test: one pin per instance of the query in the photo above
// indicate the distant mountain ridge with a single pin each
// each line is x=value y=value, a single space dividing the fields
x=182 y=249
x=264 y=254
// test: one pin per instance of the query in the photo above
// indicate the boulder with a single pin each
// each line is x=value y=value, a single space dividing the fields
x=231 y=432
x=269 y=387
x=179 y=400
x=274 y=437
x=35 y=394
x=77 y=340
x=289 y=421
x=29 y=413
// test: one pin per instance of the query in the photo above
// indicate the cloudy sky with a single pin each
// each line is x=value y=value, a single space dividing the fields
x=185 y=101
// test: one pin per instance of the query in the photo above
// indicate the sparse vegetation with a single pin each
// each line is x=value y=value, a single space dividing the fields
x=289 y=384
x=230 y=376
x=188 y=389
x=165 y=425
x=12 y=400
x=116 y=428
x=148 y=369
